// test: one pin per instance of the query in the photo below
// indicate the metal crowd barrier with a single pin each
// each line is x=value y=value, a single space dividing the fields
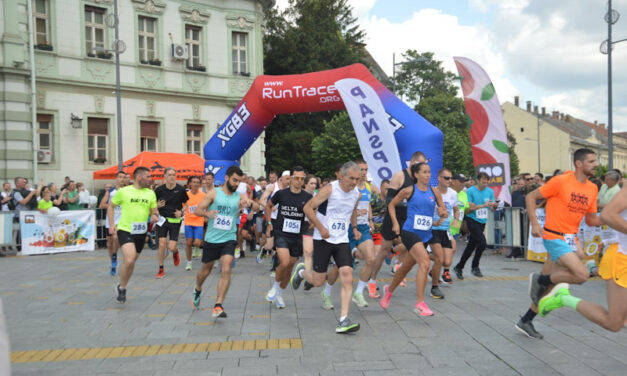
x=507 y=227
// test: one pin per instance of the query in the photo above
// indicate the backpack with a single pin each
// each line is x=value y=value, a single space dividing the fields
x=11 y=203
x=31 y=204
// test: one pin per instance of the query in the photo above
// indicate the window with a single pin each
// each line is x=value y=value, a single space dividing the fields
x=147 y=39
x=194 y=138
x=41 y=14
x=94 y=29
x=239 y=53
x=149 y=136
x=192 y=40
x=44 y=132
x=97 y=139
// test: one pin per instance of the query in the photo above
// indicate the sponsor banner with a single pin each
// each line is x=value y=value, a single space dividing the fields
x=69 y=231
x=370 y=121
x=496 y=172
x=6 y=227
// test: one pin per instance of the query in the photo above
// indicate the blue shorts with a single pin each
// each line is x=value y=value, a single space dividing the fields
x=365 y=235
x=194 y=232
x=556 y=248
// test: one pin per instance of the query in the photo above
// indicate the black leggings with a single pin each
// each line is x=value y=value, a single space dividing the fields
x=476 y=243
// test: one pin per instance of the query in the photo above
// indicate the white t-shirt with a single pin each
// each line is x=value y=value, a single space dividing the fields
x=5 y=207
x=335 y=214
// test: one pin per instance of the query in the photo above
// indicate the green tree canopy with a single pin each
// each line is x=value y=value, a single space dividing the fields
x=336 y=144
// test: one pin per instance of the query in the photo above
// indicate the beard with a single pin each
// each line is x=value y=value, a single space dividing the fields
x=230 y=187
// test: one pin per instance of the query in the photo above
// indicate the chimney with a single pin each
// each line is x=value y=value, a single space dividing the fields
x=535 y=110
x=543 y=111
x=528 y=106
x=596 y=122
x=602 y=125
x=569 y=119
x=516 y=101
x=556 y=115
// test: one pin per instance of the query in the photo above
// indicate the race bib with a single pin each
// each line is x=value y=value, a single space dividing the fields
x=482 y=213
x=291 y=225
x=161 y=220
x=139 y=228
x=192 y=209
x=337 y=227
x=571 y=240
x=222 y=222
x=422 y=222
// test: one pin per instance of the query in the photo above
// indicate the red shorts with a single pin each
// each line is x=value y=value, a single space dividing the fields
x=242 y=221
x=377 y=238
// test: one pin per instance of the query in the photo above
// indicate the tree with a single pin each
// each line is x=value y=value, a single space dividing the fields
x=309 y=36
x=336 y=144
x=514 y=166
x=422 y=76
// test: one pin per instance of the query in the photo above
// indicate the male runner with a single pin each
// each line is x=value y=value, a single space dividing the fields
x=379 y=208
x=442 y=226
x=172 y=200
x=224 y=204
x=112 y=244
x=331 y=211
x=569 y=198
x=138 y=202
x=613 y=269
x=271 y=189
x=193 y=223
x=288 y=233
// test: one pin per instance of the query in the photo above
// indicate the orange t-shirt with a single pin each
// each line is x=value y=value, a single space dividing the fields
x=192 y=202
x=568 y=201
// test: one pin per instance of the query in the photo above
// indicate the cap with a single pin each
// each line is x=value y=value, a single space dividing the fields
x=285 y=173
x=459 y=177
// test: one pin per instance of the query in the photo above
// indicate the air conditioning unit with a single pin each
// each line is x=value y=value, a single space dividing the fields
x=179 y=51
x=44 y=156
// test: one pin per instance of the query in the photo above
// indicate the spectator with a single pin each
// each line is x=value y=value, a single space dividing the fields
x=5 y=200
x=45 y=202
x=23 y=200
x=71 y=197
x=526 y=186
x=557 y=172
x=538 y=179
x=83 y=195
x=609 y=189
x=597 y=182
x=620 y=176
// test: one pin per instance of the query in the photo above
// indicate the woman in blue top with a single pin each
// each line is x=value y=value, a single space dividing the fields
x=416 y=232
x=481 y=200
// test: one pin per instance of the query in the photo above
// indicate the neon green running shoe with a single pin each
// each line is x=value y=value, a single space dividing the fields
x=553 y=300
x=327 y=304
x=358 y=299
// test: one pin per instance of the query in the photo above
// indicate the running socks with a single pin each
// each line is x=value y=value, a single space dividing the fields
x=360 y=286
x=529 y=315
x=570 y=301
x=276 y=285
x=327 y=289
x=544 y=279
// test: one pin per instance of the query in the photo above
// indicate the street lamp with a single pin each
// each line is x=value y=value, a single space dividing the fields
x=395 y=64
x=611 y=17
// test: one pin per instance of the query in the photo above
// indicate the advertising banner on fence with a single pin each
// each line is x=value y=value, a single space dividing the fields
x=594 y=241
x=69 y=231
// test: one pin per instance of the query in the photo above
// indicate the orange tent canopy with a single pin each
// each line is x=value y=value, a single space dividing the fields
x=186 y=165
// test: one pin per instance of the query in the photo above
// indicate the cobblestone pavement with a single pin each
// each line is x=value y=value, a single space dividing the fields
x=63 y=320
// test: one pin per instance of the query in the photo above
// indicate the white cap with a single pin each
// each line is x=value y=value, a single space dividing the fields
x=285 y=173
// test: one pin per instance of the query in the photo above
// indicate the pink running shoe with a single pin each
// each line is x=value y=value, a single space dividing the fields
x=422 y=309
x=387 y=295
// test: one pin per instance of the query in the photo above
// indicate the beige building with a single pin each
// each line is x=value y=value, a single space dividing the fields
x=558 y=135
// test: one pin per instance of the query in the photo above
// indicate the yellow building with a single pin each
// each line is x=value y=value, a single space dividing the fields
x=558 y=135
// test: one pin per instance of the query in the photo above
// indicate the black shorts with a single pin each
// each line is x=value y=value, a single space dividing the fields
x=274 y=222
x=294 y=244
x=386 y=228
x=308 y=231
x=126 y=237
x=409 y=239
x=213 y=251
x=249 y=226
x=323 y=251
x=168 y=227
x=441 y=237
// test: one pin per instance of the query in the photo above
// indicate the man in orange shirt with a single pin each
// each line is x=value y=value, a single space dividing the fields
x=193 y=223
x=570 y=197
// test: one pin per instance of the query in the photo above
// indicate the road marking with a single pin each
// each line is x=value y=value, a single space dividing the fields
x=260 y=316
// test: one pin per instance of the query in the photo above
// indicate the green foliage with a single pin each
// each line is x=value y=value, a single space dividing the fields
x=308 y=36
x=514 y=165
x=336 y=144
x=421 y=76
x=601 y=170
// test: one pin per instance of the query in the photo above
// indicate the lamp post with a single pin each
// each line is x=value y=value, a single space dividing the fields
x=395 y=64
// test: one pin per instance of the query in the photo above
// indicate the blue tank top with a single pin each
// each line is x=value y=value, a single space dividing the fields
x=222 y=227
x=363 y=205
x=420 y=208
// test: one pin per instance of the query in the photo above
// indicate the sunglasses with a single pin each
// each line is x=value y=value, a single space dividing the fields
x=298 y=177
x=530 y=179
x=447 y=177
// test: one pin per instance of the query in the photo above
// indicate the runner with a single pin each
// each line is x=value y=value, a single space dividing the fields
x=416 y=234
x=613 y=269
x=311 y=187
x=457 y=183
x=379 y=208
x=172 y=200
x=271 y=189
x=288 y=233
x=480 y=199
x=112 y=243
x=193 y=223
x=569 y=198
x=443 y=230
x=138 y=202
x=331 y=211
x=223 y=206
x=207 y=186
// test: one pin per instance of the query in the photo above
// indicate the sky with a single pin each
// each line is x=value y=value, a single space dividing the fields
x=543 y=51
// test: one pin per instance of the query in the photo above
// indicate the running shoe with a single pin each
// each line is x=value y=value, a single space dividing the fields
x=446 y=278
x=436 y=293
x=395 y=267
x=372 y=291
x=527 y=329
x=535 y=288
x=477 y=272
x=307 y=286
x=387 y=295
x=271 y=295
x=233 y=264
x=458 y=273
x=327 y=304
x=196 y=299
x=114 y=262
x=113 y=271
x=176 y=258
x=346 y=326
x=259 y=261
x=403 y=283
x=272 y=274
x=278 y=301
x=553 y=300
x=218 y=312
x=121 y=295
x=188 y=266
x=196 y=253
x=161 y=274
x=422 y=309
x=388 y=260
x=358 y=299
x=237 y=253
x=296 y=279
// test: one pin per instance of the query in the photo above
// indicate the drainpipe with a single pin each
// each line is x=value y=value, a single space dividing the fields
x=33 y=94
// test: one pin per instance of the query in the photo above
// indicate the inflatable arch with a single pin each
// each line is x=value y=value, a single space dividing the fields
x=319 y=91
